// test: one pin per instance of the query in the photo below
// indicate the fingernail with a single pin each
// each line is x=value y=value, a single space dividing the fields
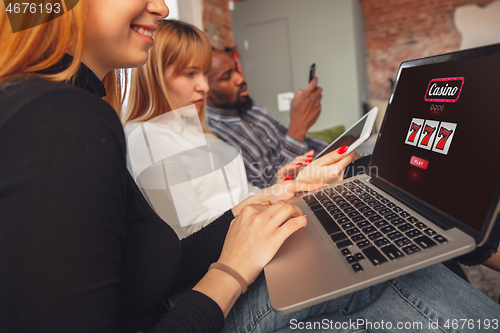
x=299 y=163
x=342 y=150
x=287 y=178
x=309 y=156
x=308 y=161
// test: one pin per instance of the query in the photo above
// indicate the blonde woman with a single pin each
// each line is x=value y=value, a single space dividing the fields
x=173 y=78
x=199 y=176
x=80 y=248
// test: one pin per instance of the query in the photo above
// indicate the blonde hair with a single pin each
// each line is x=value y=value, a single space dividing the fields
x=177 y=43
x=35 y=49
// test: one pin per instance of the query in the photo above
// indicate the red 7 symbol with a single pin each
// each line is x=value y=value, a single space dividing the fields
x=414 y=131
x=427 y=130
x=446 y=133
x=414 y=128
x=428 y=134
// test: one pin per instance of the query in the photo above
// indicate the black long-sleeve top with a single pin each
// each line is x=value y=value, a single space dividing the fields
x=80 y=248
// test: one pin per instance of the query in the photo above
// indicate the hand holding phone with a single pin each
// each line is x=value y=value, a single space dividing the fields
x=312 y=72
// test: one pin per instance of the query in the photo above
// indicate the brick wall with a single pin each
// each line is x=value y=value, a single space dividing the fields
x=217 y=23
x=396 y=30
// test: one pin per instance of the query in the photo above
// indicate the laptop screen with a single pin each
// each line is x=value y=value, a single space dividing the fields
x=440 y=138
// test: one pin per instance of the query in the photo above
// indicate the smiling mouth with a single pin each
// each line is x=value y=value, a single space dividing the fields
x=143 y=31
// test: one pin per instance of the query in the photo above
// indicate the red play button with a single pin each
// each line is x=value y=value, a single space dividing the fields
x=421 y=163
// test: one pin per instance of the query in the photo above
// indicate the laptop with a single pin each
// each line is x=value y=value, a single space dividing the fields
x=431 y=192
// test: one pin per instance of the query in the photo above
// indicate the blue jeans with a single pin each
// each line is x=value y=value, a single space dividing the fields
x=432 y=299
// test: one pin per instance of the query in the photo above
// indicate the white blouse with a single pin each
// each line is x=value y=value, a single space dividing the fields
x=189 y=177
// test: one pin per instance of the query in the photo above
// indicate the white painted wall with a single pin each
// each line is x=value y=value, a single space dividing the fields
x=173 y=8
x=478 y=25
x=191 y=11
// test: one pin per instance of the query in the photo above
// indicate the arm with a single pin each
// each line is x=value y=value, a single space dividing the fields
x=293 y=148
x=201 y=249
x=250 y=243
x=252 y=240
x=494 y=261
x=487 y=253
x=262 y=171
x=61 y=234
x=307 y=176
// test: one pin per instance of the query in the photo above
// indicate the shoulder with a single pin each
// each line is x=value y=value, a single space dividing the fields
x=55 y=105
x=51 y=121
x=130 y=127
x=48 y=97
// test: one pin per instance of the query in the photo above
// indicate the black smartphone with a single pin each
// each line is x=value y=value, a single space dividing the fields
x=312 y=72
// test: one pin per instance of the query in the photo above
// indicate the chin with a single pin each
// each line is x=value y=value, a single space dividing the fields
x=137 y=62
x=245 y=103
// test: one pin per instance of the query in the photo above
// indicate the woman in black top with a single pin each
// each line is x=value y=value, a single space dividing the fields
x=81 y=250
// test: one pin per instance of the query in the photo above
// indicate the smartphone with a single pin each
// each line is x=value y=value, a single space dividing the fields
x=312 y=72
x=354 y=136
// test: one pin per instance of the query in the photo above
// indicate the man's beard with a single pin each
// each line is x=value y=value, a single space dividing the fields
x=245 y=104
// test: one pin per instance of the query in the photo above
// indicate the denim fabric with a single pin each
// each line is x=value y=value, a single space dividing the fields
x=423 y=301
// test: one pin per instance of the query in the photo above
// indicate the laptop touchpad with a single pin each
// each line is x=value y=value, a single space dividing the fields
x=301 y=239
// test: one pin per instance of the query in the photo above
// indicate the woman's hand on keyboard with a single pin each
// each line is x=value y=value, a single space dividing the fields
x=286 y=190
x=282 y=191
x=251 y=242
x=256 y=234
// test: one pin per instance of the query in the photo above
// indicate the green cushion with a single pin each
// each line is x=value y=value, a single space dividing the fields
x=329 y=134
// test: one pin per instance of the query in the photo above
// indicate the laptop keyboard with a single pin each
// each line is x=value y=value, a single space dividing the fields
x=353 y=213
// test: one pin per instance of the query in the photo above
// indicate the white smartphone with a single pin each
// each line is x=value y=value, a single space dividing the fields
x=355 y=135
